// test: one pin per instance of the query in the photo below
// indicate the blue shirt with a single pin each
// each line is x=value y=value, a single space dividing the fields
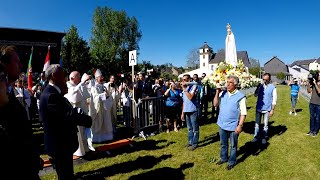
x=193 y=104
x=294 y=90
x=229 y=110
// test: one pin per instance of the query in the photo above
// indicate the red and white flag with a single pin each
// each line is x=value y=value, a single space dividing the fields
x=47 y=61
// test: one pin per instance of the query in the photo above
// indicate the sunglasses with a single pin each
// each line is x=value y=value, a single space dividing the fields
x=184 y=79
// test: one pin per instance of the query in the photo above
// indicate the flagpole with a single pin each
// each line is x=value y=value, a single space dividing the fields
x=29 y=73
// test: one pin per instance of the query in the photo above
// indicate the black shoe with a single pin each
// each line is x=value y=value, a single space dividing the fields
x=309 y=133
x=314 y=134
x=220 y=162
x=229 y=167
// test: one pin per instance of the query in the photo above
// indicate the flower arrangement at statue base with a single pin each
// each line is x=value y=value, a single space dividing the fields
x=219 y=77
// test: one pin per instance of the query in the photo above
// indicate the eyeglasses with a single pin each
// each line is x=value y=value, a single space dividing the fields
x=184 y=79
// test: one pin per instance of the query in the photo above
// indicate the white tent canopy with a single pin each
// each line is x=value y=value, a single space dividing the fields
x=197 y=71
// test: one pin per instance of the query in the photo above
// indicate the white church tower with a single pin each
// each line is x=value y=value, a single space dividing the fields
x=205 y=56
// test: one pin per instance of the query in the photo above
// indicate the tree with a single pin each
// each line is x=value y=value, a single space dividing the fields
x=193 y=60
x=75 y=52
x=114 y=34
x=254 y=62
x=254 y=71
x=280 y=76
x=255 y=67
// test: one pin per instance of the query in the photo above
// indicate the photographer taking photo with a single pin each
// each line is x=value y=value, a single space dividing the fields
x=314 y=105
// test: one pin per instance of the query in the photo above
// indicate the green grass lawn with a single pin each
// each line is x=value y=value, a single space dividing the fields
x=289 y=153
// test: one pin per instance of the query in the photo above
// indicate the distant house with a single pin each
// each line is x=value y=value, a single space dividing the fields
x=174 y=71
x=300 y=68
x=305 y=63
x=299 y=72
x=275 y=66
x=210 y=60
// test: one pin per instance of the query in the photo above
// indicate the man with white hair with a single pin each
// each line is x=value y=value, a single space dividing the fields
x=100 y=110
x=233 y=112
x=77 y=96
x=60 y=122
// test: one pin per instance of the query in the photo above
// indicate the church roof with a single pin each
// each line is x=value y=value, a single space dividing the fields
x=205 y=46
x=220 y=56
x=305 y=62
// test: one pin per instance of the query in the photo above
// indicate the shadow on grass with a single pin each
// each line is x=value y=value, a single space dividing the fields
x=212 y=117
x=298 y=110
x=164 y=173
x=209 y=140
x=145 y=162
x=148 y=145
x=256 y=148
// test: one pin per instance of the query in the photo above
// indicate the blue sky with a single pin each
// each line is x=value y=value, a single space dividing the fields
x=171 y=28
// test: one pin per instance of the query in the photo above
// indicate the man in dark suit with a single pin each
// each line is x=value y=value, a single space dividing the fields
x=60 y=122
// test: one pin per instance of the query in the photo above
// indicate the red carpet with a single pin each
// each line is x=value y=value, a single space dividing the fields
x=106 y=147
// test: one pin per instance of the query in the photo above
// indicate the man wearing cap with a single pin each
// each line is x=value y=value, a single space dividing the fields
x=294 y=95
x=100 y=110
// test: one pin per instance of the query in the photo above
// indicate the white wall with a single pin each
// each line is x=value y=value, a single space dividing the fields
x=303 y=74
x=204 y=58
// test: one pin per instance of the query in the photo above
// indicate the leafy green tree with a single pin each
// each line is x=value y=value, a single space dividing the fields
x=280 y=76
x=75 y=52
x=254 y=71
x=114 y=34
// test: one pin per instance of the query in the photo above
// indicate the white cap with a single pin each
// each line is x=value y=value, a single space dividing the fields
x=97 y=73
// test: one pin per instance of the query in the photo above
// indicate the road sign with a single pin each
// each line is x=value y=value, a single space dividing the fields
x=133 y=58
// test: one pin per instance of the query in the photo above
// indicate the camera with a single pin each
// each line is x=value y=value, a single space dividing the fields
x=312 y=76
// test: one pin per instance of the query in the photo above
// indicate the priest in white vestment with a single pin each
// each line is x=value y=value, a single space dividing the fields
x=231 y=50
x=78 y=95
x=100 y=110
x=115 y=93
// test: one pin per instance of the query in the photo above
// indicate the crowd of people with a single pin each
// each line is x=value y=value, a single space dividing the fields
x=79 y=110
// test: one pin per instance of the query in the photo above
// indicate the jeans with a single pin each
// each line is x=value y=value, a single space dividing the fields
x=314 y=117
x=224 y=136
x=294 y=101
x=193 y=127
x=257 y=125
x=204 y=105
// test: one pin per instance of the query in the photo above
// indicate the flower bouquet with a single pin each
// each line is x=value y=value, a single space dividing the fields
x=219 y=77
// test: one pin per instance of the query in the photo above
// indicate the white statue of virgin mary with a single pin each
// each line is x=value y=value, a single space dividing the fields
x=231 y=50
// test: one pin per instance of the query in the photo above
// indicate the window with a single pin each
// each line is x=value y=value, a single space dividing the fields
x=203 y=56
x=204 y=64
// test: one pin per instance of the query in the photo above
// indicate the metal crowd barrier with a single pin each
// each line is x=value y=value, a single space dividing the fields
x=148 y=112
